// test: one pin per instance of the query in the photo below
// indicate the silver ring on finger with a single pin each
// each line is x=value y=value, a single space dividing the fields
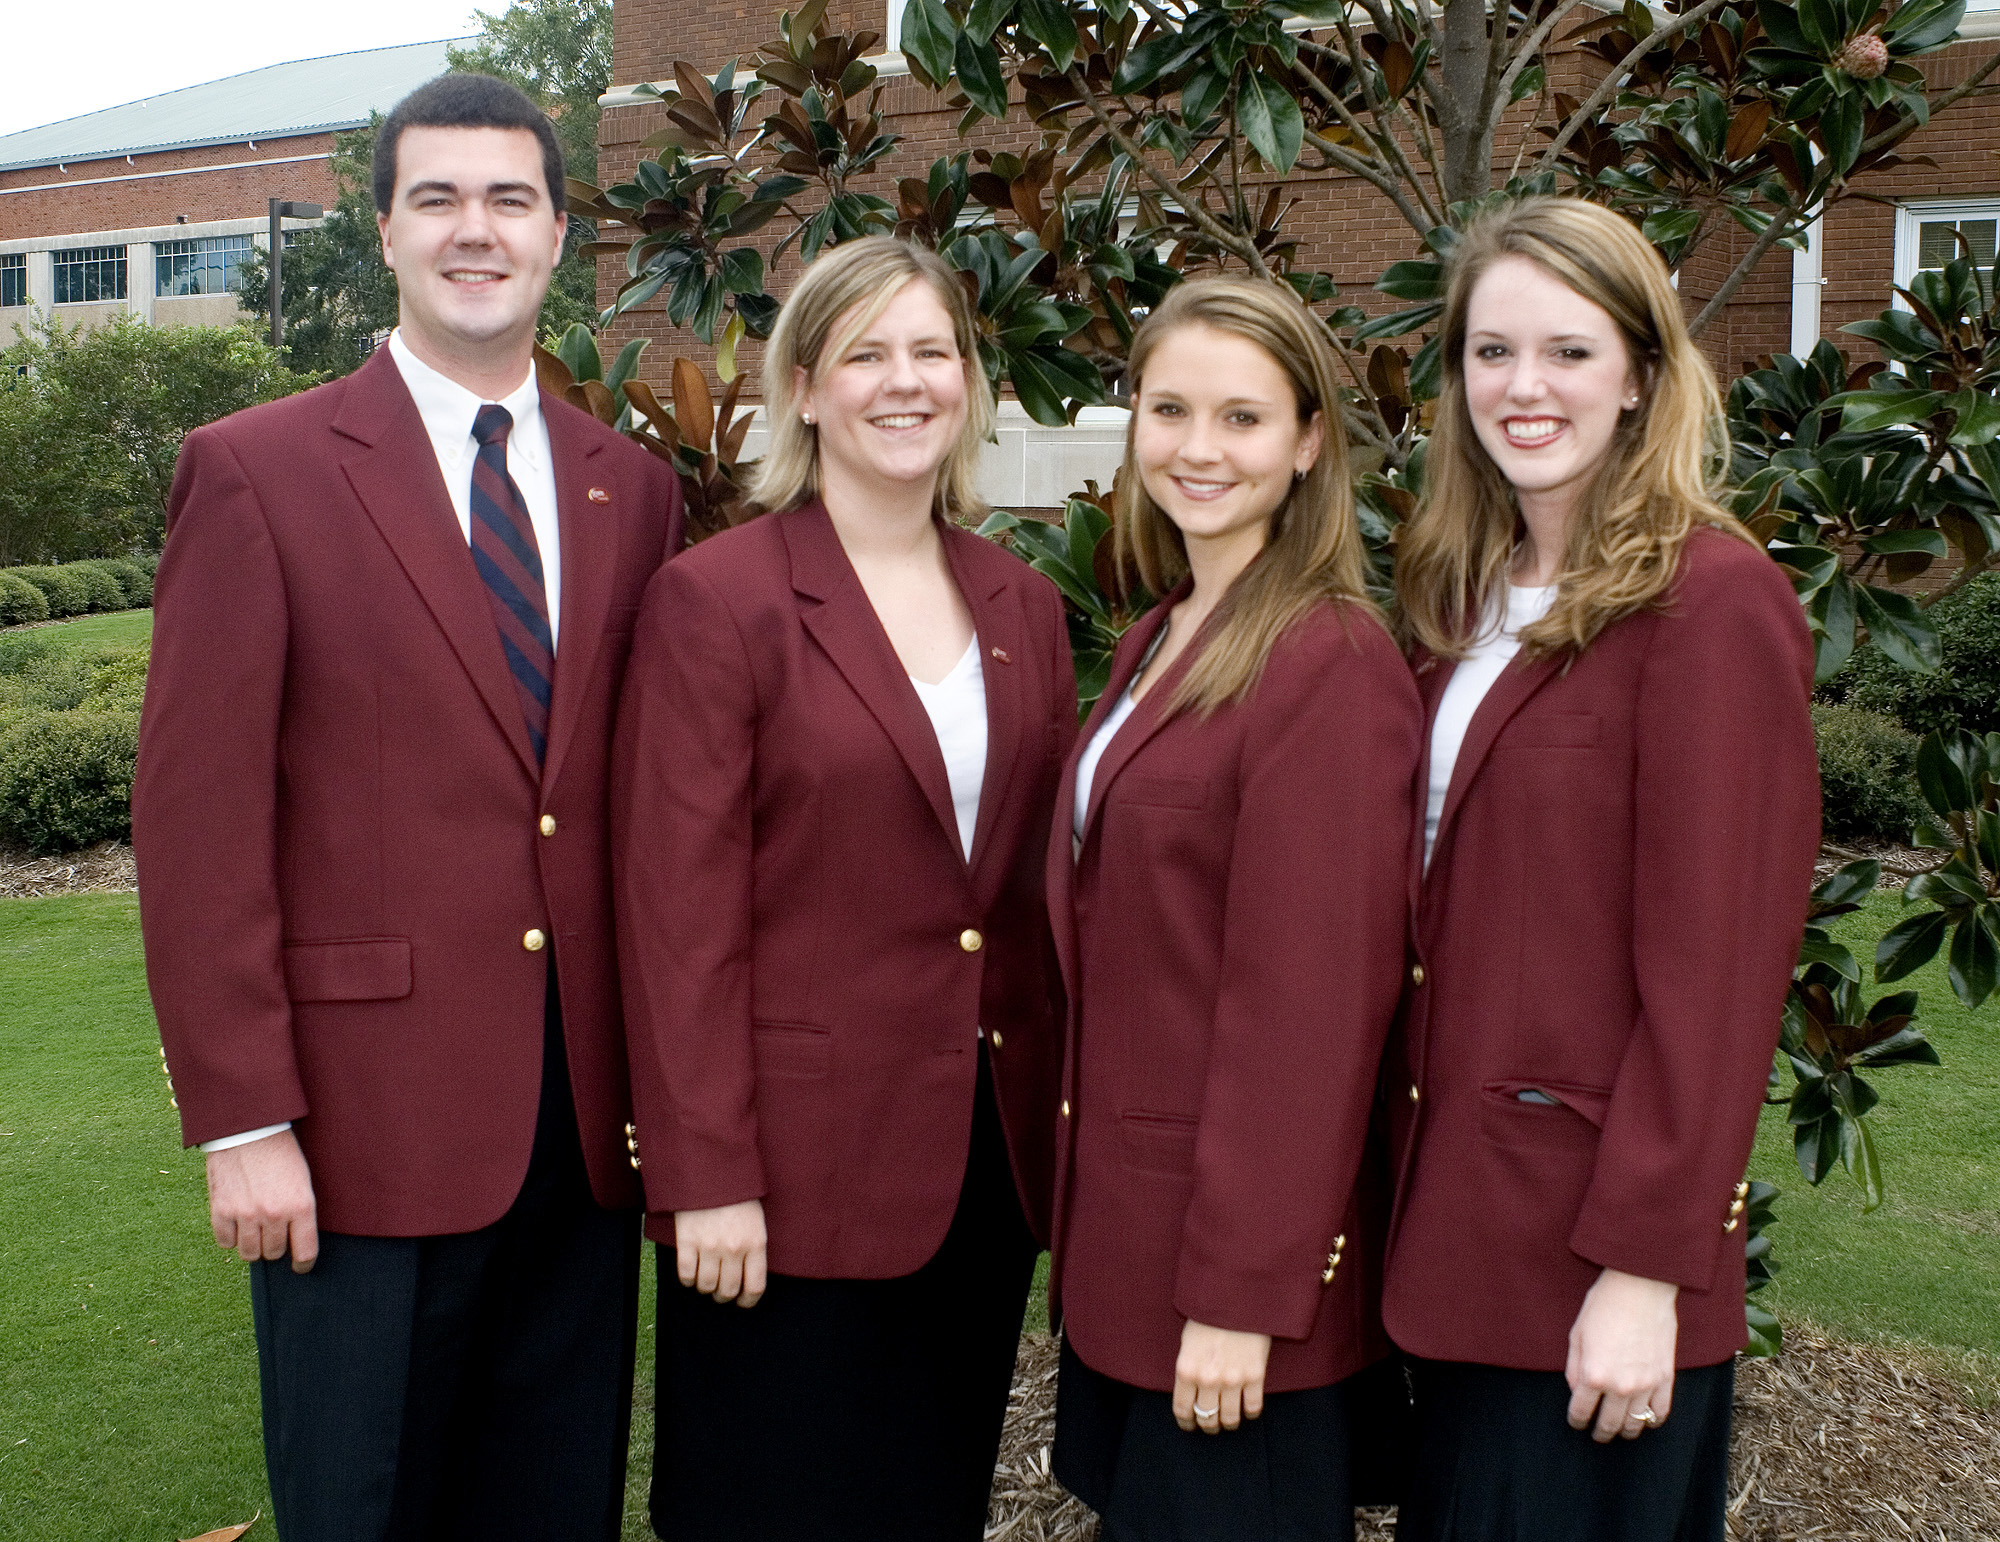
x=1208 y=1413
x=1644 y=1416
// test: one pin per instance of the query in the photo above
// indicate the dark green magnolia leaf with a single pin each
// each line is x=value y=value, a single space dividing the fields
x=1670 y=226
x=1419 y=280
x=1823 y=950
x=1050 y=24
x=1857 y=1147
x=985 y=18
x=1850 y=884
x=1427 y=371
x=1810 y=567
x=1767 y=1335
x=1093 y=673
x=1815 y=1146
x=1203 y=93
x=927 y=40
x=1978 y=418
x=1922 y=25
x=1833 y=609
x=978 y=70
x=626 y=366
x=742 y=271
x=1270 y=119
x=1930 y=542
x=1951 y=771
x=578 y=351
x=998 y=523
x=1043 y=382
x=1910 y=944
x=759 y=313
x=1084 y=525
x=1528 y=83
x=1840 y=125
x=1898 y=628
x=1161 y=54
x=1820 y=21
x=1781 y=25
x=1954 y=887
x=1895 y=1004
x=1906 y=1047
x=1975 y=955
x=1898 y=334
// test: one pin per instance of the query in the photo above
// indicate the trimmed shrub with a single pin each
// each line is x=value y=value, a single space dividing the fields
x=106 y=592
x=1867 y=774
x=20 y=601
x=134 y=578
x=66 y=593
x=66 y=778
x=1963 y=693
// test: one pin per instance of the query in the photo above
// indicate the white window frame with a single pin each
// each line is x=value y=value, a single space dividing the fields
x=1911 y=216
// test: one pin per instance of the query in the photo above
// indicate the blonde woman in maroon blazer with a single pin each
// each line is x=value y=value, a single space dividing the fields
x=1226 y=887
x=1610 y=886
x=837 y=758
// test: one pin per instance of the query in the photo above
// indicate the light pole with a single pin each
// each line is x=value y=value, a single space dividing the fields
x=280 y=212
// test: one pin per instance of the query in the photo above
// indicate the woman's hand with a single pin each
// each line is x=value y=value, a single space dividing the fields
x=721 y=1251
x=1621 y=1356
x=1219 y=1377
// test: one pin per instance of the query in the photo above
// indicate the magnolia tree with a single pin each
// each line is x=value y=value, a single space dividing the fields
x=1152 y=139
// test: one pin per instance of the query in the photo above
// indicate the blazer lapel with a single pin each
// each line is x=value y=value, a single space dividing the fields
x=1433 y=675
x=845 y=625
x=995 y=603
x=1517 y=683
x=394 y=472
x=1145 y=720
x=589 y=536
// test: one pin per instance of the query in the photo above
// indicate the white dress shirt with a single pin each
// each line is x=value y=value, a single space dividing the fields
x=448 y=409
x=957 y=708
x=1093 y=752
x=1483 y=664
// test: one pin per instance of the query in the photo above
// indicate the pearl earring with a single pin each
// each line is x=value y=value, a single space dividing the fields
x=806 y=418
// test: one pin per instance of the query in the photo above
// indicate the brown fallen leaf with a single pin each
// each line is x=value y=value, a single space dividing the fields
x=226 y=1533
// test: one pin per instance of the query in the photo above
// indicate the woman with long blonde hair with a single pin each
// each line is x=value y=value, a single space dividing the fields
x=837 y=756
x=1621 y=815
x=1227 y=890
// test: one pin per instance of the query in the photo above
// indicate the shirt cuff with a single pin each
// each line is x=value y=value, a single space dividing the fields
x=226 y=1141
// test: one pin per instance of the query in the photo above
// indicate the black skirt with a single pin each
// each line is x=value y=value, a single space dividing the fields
x=1496 y=1461
x=849 y=1409
x=1281 y=1477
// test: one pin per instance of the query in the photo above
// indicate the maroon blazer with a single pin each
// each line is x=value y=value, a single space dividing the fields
x=1612 y=916
x=1231 y=937
x=343 y=838
x=807 y=953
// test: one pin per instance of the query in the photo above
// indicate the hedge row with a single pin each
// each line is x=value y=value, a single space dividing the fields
x=75 y=588
x=1963 y=692
x=69 y=735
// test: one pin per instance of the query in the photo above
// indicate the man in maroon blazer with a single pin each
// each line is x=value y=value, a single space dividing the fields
x=392 y=621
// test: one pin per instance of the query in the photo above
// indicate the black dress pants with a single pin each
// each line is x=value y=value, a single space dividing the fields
x=468 y=1386
x=1496 y=1461
x=850 y=1410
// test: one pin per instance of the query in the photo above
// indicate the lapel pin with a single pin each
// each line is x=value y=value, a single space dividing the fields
x=599 y=495
x=1001 y=655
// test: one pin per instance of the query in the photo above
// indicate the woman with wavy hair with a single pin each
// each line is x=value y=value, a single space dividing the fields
x=1610 y=883
x=1227 y=892
x=836 y=765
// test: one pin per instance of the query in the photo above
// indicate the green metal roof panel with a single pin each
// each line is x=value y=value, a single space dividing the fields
x=306 y=96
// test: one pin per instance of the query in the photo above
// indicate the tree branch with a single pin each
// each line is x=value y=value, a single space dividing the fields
x=1532 y=46
x=1346 y=115
x=1966 y=574
x=1203 y=221
x=1383 y=184
x=1782 y=224
x=1385 y=120
x=1608 y=87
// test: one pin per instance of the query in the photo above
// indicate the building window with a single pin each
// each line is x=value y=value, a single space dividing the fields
x=1927 y=236
x=892 y=41
x=13 y=279
x=89 y=273
x=207 y=265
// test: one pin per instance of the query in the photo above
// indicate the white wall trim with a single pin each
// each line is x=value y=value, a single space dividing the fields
x=1807 y=286
x=179 y=171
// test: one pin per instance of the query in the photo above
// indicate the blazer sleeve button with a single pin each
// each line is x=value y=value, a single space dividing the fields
x=970 y=940
x=533 y=940
x=1743 y=1189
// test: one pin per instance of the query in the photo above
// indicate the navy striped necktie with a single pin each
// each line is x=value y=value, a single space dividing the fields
x=504 y=551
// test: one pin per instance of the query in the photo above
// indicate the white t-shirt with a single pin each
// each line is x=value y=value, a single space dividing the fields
x=1093 y=752
x=957 y=708
x=1483 y=664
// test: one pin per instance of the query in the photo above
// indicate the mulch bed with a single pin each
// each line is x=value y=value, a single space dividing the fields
x=105 y=868
x=1899 y=863
x=1833 y=1442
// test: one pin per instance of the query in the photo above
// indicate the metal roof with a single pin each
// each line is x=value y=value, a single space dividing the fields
x=306 y=96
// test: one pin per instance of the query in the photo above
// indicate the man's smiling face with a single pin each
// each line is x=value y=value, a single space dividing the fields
x=472 y=236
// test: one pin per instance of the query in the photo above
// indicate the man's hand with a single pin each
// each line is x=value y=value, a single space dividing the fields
x=260 y=1201
x=1219 y=1377
x=1621 y=1357
x=720 y=1252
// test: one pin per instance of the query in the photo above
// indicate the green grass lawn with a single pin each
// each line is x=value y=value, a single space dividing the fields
x=116 y=629
x=1924 y=1270
x=128 y=1391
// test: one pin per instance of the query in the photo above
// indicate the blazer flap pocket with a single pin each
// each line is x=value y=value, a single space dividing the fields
x=1158 y=1143
x=1553 y=731
x=1161 y=791
x=348 y=969
x=1591 y=1102
x=792 y=1049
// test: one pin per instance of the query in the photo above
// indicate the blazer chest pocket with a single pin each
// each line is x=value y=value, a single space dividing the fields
x=348 y=969
x=1553 y=731
x=1161 y=791
x=794 y=1051
x=1157 y=1143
